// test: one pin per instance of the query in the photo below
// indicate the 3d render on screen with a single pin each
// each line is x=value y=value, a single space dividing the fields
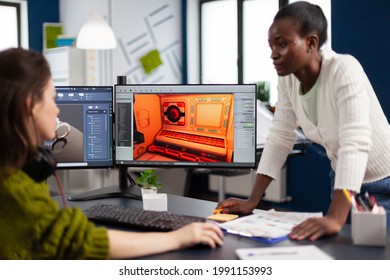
x=183 y=127
x=199 y=125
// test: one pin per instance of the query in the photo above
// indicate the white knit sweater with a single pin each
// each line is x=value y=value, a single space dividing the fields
x=351 y=124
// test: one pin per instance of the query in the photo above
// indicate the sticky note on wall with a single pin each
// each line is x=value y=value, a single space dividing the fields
x=151 y=61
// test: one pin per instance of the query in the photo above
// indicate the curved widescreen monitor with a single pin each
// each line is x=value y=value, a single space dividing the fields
x=84 y=136
x=185 y=125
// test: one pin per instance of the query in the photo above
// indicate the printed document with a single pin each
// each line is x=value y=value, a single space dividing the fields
x=267 y=224
x=304 y=252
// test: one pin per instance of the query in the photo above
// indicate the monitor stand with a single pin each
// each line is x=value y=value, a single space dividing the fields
x=125 y=189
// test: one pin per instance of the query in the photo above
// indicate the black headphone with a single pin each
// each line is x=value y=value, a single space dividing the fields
x=41 y=166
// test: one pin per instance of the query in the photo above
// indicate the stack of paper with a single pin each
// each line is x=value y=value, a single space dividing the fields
x=270 y=226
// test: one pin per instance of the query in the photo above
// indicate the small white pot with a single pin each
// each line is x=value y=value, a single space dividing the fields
x=151 y=190
x=155 y=202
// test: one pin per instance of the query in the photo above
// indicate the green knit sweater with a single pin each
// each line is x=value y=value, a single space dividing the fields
x=32 y=226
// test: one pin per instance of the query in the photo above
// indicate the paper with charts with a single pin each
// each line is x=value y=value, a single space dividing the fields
x=267 y=224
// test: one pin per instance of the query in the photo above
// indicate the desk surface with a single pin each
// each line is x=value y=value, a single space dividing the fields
x=338 y=246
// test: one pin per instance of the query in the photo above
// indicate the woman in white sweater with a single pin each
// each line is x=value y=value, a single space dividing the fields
x=331 y=98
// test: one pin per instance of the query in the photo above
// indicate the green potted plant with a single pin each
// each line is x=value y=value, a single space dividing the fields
x=149 y=181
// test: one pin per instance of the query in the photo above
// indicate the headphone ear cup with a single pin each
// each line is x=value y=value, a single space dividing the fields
x=41 y=166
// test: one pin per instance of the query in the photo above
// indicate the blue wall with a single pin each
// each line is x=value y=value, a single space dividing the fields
x=40 y=11
x=363 y=31
x=360 y=28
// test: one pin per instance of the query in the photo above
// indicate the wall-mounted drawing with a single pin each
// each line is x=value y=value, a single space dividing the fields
x=149 y=40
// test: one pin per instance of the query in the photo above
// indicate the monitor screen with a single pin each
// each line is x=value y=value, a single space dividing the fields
x=84 y=127
x=185 y=125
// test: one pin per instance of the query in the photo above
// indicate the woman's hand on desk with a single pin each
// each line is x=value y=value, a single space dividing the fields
x=315 y=228
x=125 y=244
x=332 y=223
x=246 y=206
x=236 y=205
x=199 y=233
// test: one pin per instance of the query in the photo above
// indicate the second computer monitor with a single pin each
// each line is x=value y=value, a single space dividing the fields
x=185 y=125
x=84 y=127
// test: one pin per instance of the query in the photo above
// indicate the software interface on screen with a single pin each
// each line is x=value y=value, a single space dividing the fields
x=189 y=125
x=84 y=128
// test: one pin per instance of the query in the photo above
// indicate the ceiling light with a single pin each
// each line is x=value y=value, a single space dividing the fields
x=96 y=34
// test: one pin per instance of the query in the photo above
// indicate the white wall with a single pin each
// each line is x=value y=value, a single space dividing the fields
x=73 y=13
x=98 y=64
x=144 y=26
x=140 y=26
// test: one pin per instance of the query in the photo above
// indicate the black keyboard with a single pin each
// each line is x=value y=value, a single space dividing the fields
x=138 y=218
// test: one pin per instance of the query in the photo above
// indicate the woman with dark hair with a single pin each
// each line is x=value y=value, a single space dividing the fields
x=331 y=98
x=32 y=226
